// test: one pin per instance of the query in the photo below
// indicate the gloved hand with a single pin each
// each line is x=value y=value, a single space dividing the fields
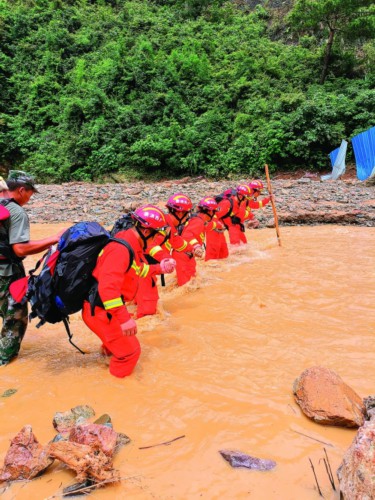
x=253 y=224
x=168 y=266
x=129 y=328
x=198 y=251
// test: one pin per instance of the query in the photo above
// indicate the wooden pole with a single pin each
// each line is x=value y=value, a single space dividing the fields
x=273 y=205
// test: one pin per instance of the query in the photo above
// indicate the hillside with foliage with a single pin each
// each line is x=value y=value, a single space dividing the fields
x=176 y=87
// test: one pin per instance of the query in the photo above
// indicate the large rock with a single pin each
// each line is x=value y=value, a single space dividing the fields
x=324 y=397
x=26 y=457
x=99 y=437
x=63 y=422
x=87 y=463
x=357 y=472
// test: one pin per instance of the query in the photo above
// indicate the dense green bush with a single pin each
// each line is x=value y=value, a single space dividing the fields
x=164 y=87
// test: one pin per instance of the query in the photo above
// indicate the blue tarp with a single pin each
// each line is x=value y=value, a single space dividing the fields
x=333 y=156
x=364 y=152
x=337 y=157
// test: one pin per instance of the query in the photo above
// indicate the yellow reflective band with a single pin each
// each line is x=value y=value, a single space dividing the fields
x=168 y=246
x=182 y=248
x=144 y=271
x=201 y=236
x=193 y=242
x=101 y=253
x=260 y=204
x=214 y=225
x=136 y=268
x=155 y=250
x=110 y=304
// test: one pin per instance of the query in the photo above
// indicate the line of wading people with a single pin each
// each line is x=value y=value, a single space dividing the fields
x=161 y=243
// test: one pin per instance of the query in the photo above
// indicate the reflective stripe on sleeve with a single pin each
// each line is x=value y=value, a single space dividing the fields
x=260 y=204
x=144 y=271
x=168 y=246
x=110 y=304
x=155 y=250
x=182 y=248
x=194 y=242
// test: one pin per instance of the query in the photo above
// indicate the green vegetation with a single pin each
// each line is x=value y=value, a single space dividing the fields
x=163 y=87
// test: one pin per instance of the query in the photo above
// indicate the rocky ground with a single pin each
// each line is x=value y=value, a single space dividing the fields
x=301 y=198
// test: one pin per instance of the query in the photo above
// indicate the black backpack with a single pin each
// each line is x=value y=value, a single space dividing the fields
x=66 y=276
x=124 y=223
x=226 y=195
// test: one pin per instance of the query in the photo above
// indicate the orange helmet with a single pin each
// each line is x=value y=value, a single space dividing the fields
x=243 y=189
x=150 y=217
x=180 y=202
x=256 y=185
x=208 y=203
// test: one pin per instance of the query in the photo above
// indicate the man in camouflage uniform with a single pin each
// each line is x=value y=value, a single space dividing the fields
x=15 y=244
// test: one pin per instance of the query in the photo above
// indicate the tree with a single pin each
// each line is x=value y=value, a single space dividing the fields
x=336 y=17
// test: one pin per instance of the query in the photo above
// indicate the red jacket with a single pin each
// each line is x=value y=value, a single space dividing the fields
x=227 y=209
x=116 y=285
x=193 y=231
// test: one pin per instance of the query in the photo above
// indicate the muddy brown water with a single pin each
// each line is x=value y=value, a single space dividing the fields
x=217 y=366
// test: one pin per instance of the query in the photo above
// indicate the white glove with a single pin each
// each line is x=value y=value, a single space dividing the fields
x=198 y=251
x=168 y=266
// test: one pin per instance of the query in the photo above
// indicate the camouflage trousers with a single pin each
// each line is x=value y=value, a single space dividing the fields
x=14 y=321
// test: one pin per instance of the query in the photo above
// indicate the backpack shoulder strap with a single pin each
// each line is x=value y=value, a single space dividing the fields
x=230 y=208
x=127 y=245
x=6 y=201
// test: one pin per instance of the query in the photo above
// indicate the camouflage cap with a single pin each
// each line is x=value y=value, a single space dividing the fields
x=22 y=178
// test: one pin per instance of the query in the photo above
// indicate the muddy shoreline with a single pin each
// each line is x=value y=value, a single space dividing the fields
x=302 y=199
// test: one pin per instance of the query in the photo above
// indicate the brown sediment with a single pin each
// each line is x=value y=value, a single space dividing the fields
x=217 y=366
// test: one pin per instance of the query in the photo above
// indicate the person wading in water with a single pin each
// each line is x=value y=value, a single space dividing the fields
x=15 y=245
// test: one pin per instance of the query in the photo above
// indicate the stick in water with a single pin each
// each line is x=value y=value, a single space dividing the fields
x=329 y=471
x=273 y=205
x=161 y=444
x=316 y=479
x=310 y=437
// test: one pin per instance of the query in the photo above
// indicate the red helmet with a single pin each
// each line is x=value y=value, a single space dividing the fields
x=256 y=185
x=150 y=217
x=208 y=203
x=180 y=202
x=243 y=189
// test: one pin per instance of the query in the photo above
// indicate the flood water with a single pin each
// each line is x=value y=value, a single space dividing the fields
x=217 y=367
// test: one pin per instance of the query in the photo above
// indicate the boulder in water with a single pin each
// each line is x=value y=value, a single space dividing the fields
x=99 y=437
x=87 y=463
x=26 y=457
x=327 y=399
x=357 y=472
x=64 y=421
x=239 y=459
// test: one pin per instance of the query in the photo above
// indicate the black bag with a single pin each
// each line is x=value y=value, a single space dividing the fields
x=124 y=223
x=66 y=276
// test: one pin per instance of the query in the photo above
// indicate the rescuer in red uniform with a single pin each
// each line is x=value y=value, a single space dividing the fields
x=191 y=229
x=231 y=212
x=253 y=203
x=216 y=244
x=106 y=313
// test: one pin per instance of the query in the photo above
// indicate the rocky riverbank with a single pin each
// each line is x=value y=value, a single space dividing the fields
x=300 y=199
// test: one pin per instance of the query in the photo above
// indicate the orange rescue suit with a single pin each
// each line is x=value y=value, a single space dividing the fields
x=115 y=287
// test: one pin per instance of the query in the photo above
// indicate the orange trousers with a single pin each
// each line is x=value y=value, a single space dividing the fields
x=147 y=297
x=216 y=246
x=236 y=236
x=125 y=350
x=185 y=267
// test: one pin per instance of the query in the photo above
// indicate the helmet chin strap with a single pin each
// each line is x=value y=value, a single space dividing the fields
x=205 y=211
x=180 y=219
x=143 y=237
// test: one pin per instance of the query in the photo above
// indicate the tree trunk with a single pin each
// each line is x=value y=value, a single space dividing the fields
x=327 y=56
